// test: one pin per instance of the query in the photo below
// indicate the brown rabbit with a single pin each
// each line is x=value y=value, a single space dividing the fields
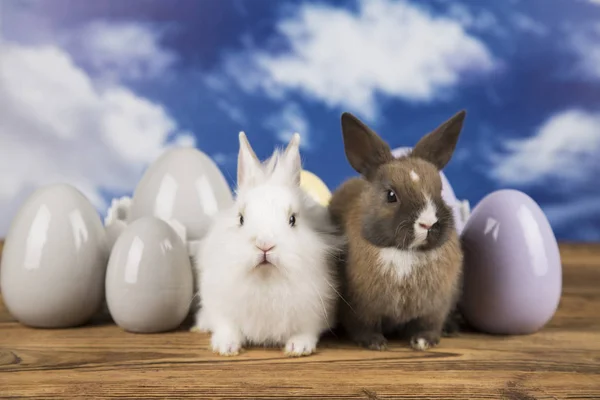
x=403 y=265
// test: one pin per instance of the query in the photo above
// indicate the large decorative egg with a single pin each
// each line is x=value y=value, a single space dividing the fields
x=448 y=195
x=315 y=187
x=54 y=260
x=183 y=184
x=513 y=273
x=149 y=281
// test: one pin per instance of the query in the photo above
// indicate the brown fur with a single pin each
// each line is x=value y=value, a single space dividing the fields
x=379 y=301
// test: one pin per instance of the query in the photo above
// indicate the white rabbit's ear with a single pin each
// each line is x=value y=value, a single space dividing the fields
x=291 y=162
x=270 y=163
x=249 y=166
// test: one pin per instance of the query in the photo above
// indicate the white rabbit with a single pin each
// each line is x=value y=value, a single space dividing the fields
x=267 y=265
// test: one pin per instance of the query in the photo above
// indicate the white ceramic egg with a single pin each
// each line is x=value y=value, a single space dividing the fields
x=54 y=260
x=183 y=184
x=149 y=281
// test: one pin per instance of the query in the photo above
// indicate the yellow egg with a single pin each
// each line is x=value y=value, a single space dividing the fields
x=315 y=187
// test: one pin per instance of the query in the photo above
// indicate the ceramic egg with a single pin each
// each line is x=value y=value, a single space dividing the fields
x=113 y=231
x=183 y=184
x=448 y=195
x=315 y=187
x=149 y=281
x=513 y=273
x=54 y=260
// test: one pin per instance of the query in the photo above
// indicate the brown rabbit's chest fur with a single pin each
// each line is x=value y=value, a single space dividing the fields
x=378 y=291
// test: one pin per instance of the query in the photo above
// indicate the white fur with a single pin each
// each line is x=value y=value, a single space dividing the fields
x=414 y=176
x=404 y=262
x=428 y=217
x=420 y=344
x=399 y=261
x=289 y=303
x=118 y=210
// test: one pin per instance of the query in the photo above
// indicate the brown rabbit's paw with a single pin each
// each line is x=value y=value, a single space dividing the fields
x=425 y=341
x=451 y=329
x=374 y=341
x=453 y=325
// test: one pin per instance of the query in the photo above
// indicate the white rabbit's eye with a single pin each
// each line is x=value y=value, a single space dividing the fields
x=391 y=196
x=241 y=220
x=292 y=220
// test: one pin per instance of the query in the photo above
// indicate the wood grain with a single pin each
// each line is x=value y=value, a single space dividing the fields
x=101 y=361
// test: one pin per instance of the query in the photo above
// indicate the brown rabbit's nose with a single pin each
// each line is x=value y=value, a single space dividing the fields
x=425 y=226
x=265 y=248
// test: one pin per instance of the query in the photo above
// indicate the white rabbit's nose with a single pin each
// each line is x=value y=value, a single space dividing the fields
x=265 y=248
x=264 y=242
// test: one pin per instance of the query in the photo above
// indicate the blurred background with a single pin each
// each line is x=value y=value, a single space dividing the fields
x=91 y=92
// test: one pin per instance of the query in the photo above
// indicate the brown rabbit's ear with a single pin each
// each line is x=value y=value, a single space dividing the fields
x=365 y=150
x=438 y=146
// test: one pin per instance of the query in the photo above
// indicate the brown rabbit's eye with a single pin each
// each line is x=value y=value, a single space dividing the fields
x=292 y=220
x=391 y=197
x=241 y=220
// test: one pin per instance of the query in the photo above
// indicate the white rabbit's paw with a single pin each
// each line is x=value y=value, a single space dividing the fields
x=198 y=329
x=301 y=345
x=226 y=343
x=202 y=323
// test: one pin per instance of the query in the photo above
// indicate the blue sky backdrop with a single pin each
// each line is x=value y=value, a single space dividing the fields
x=91 y=92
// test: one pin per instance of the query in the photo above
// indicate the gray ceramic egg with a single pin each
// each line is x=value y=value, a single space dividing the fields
x=113 y=231
x=513 y=273
x=183 y=184
x=149 y=280
x=54 y=260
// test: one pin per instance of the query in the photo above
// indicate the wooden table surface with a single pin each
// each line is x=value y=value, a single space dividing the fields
x=100 y=360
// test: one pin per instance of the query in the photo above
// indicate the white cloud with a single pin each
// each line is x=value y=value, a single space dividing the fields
x=347 y=59
x=483 y=20
x=184 y=139
x=528 y=24
x=565 y=147
x=562 y=156
x=233 y=112
x=576 y=210
x=578 y=215
x=224 y=158
x=290 y=120
x=585 y=43
x=124 y=50
x=56 y=125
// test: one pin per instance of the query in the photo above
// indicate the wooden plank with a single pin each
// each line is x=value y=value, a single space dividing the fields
x=100 y=360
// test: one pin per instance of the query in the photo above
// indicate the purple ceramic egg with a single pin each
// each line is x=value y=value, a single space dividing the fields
x=513 y=273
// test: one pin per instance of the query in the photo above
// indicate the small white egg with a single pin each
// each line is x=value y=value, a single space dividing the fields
x=54 y=260
x=149 y=280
